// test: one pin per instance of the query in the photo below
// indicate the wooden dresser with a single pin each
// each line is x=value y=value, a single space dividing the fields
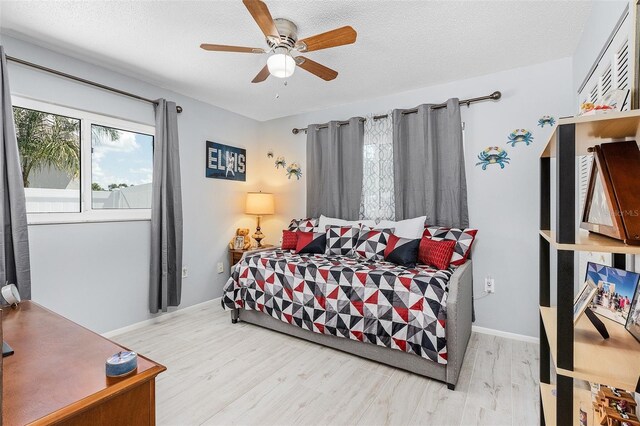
x=57 y=374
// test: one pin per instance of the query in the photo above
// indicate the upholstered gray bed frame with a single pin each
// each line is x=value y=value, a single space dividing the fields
x=458 y=330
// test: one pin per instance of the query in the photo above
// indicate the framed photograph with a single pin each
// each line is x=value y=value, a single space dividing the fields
x=616 y=288
x=238 y=243
x=633 y=320
x=583 y=299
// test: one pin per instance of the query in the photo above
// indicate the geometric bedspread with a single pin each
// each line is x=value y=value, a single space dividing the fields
x=375 y=302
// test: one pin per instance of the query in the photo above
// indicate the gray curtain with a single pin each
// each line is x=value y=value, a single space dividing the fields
x=166 y=212
x=14 y=239
x=334 y=169
x=428 y=162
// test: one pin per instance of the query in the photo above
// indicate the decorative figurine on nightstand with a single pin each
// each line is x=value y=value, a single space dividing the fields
x=242 y=236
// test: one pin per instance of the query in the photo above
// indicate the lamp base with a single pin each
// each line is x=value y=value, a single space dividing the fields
x=258 y=235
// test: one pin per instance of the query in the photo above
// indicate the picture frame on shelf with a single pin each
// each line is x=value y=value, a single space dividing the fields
x=583 y=299
x=633 y=320
x=238 y=243
x=616 y=289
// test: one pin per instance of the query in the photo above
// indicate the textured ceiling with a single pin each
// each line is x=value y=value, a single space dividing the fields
x=401 y=44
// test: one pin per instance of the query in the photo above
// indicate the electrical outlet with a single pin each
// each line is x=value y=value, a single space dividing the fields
x=185 y=272
x=220 y=267
x=489 y=285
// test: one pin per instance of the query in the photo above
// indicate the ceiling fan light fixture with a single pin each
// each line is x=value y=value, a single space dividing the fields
x=281 y=64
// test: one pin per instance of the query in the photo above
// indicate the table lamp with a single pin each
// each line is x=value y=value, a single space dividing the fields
x=259 y=204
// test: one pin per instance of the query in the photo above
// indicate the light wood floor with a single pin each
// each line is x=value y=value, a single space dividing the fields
x=220 y=373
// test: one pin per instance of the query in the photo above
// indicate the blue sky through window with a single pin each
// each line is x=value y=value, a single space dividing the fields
x=126 y=159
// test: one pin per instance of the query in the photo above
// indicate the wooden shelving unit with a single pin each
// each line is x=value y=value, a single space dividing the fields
x=597 y=129
x=578 y=352
x=611 y=362
x=586 y=241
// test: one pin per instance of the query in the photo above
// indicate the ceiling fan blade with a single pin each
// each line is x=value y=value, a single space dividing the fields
x=225 y=48
x=315 y=68
x=262 y=75
x=262 y=16
x=333 y=38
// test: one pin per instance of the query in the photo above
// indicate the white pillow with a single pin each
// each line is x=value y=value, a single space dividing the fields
x=368 y=222
x=325 y=221
x=410 y=228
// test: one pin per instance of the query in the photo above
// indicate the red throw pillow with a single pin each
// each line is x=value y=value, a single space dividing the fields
x=462 y=237
x=289 y=240
x=436 y=253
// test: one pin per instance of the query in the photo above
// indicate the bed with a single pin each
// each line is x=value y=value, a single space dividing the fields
x=417 y=319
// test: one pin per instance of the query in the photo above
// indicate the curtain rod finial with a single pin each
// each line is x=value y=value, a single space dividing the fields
x=295 y=131
x=495 y=95
x=178 y=109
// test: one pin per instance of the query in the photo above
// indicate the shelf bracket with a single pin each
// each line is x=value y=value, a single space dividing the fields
x=599 y=325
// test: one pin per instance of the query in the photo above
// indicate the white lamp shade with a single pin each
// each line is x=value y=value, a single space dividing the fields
x=281 y=65
x=259 y=203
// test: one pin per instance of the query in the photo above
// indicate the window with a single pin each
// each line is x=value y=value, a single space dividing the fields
x=121 y=168
x=378 y=200
x=49 y=147
x=80 y=166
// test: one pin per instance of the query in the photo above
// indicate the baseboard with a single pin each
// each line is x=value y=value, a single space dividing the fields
x=216 y=302
x=506 y=334
x=161 y=318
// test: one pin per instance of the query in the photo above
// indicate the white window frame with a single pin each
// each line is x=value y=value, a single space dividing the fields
x=87 y=213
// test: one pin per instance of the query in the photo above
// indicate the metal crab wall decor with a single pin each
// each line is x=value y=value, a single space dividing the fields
x=294 y=170
x=280 y=162
x=493 y=155
x=270 y=153
x=546 y=119
x=520 y=135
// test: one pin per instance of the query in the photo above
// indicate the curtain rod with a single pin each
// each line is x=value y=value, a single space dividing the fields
x=85 y=81
x=494 y=96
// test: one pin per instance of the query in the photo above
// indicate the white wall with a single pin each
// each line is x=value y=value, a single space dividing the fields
x=503 y=204
x=601 y=23
x=97 y=274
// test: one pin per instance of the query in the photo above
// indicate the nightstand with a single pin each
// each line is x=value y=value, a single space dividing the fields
x=236 y=255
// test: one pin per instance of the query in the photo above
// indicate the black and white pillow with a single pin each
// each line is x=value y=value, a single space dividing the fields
x=372 y=242
x=311 y=242
x=304 y=225
x=402 y=251
x=342 y=239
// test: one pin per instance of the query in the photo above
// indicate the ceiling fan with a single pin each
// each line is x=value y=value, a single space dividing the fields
x=282 y=38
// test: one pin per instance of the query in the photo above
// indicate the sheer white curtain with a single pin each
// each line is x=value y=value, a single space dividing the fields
x=377 y=182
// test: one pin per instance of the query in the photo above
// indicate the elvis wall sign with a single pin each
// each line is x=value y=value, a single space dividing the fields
x=226 y=162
